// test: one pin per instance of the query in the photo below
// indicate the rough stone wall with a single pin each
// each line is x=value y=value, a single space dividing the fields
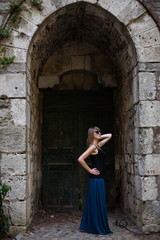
x=125 y=115
x=34 y=140
x=139 y=95
x=147 y=152
x=140 y=160
x=20 y=145
x=20 y=135
x=153 y=7
x=4 y=11
x=13 y=143
x=137 y=148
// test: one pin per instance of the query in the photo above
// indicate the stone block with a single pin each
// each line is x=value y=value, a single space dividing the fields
x=148 y=38
x=149 y=112
x=131 y=12
x=18 y=213
x=13 y=164
x=4 y=5
x=13 y=85
x=152 y=164
x=33 y=15
x=144 y=140
x=149 y=189
x=148 y=67
x=57 y=4
x=148 y=54
x=18 y=187
x=18 y=111
x=140 y=25
x=16 y=41
x=13 y=139
x=151 y=213
x=118 y=6
x=147 y=86
x=26 y=27
x=21 y=54
x=16 y=67
x=105 y=4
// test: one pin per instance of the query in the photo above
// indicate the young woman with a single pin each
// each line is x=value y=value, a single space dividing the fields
x=94 y=219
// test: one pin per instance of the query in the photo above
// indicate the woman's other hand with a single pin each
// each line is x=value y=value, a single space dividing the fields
x=94 y=171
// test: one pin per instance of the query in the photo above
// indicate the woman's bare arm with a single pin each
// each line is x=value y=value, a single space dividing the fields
x=82 y=158
x=104 y=139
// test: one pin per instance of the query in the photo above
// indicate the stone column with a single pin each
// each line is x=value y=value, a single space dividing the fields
x=13 y=145
x=147 y=149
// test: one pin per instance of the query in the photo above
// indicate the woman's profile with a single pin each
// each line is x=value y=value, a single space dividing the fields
x=94 y=219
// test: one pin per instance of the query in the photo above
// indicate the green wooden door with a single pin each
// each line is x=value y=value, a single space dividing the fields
x=66 y=119
x=59 y=148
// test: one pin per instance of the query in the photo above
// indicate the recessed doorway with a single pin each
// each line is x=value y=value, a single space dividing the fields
x=67 y=115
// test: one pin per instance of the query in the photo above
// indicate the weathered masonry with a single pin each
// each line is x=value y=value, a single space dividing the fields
x=81 y=63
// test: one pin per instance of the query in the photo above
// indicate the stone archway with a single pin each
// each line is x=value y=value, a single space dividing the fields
x=128 y=35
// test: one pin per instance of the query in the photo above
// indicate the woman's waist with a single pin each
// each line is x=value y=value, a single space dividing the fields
x=101 y=175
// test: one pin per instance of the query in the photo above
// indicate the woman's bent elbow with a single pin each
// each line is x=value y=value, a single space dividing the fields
x=79 y=159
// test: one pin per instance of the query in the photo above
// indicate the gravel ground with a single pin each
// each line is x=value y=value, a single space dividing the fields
x=65 y=226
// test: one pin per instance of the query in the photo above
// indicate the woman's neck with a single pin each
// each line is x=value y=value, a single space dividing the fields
x=95 y=142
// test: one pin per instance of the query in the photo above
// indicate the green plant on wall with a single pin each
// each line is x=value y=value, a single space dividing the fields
x=16 y=5
x=37 y=4
x=4 y=224
x=15 y=9
x=6 y=60
x=5 y=32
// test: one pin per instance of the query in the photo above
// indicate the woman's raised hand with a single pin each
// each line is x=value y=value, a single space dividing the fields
x=94 y=171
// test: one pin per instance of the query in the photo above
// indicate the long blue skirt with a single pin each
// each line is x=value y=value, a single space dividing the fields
x=94 y=218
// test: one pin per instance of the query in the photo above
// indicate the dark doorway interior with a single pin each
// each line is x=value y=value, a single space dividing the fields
x=67 y=115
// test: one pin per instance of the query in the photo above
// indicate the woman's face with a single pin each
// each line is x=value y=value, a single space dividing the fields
x=97 y=134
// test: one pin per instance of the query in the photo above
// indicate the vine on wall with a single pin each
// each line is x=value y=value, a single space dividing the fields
x=16 y=7
x=5 y=60
x=5 y=32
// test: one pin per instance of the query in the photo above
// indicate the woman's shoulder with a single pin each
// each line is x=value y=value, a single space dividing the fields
x=95 y=149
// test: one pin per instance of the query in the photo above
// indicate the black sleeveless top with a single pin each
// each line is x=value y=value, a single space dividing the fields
x=98 y=161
